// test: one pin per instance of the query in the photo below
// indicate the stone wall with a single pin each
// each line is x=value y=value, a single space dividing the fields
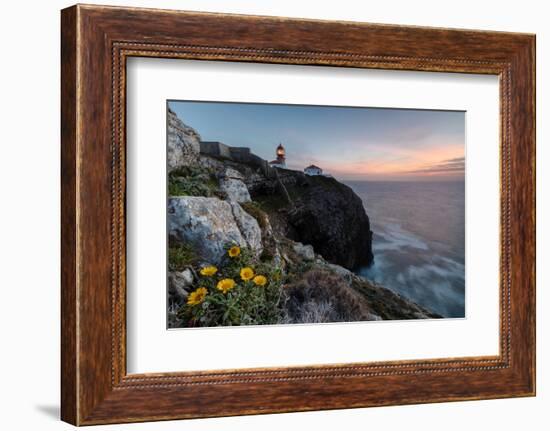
x=235 y=154
x=240 y=154
x=216 y=149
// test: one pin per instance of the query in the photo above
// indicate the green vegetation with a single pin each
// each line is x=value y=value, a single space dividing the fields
x=271 y=203
x=276 y=201
x=326 y=183
x=320 y=296
x=255 y=210
x=180 y=256
x=242 y=291
x=193 y=181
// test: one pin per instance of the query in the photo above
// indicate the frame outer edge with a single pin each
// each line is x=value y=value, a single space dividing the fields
x=530 y=63
x=69 y=211
x=532 y=100
x=523 y=216
x=533 y=54
x=87 y=397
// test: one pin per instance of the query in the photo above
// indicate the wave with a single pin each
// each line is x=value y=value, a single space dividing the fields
x=418 y=241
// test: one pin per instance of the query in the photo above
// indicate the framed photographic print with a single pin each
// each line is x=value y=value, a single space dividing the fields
x=329 y=214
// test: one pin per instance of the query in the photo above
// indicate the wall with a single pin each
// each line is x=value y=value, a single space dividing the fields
x=215 y=149
x=240 y=154
x=29 y=228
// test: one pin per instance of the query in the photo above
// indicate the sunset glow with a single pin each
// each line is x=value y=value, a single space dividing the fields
x=349 y=143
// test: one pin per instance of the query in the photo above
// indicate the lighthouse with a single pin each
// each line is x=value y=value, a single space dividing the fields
x=280 y=161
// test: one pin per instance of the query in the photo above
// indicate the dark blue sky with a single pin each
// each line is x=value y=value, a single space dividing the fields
x=350 y=143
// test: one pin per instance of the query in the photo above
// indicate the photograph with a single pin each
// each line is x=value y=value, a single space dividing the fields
x=284 y=214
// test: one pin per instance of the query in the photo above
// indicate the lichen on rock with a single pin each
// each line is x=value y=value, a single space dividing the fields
x=232 y=184
x=209 y=224
x=179 y=283
x=183 y=143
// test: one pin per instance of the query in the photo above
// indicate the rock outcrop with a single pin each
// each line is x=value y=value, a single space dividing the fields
x=320 y=296
x=316 y=210
x=323 y=213
x=383 y=303
x=179 y=283
x=231 y=182
x=306 y=252
x=209 y=224
x=332 y=292
x=330 y=216
x=183 y=143
x=311 y=231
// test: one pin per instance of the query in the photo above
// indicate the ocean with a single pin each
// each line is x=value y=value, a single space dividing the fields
x=418 y=241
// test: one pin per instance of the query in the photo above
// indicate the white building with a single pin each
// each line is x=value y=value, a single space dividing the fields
x=313 y=170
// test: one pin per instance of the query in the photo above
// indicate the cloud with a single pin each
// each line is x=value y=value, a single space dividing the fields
x=455 y=166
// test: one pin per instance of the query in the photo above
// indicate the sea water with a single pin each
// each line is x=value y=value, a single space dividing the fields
x=418 y=240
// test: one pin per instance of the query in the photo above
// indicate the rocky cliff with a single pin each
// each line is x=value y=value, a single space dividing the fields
x=306 y=232
x=320 y=211
x=211 y=223
x=183 y=143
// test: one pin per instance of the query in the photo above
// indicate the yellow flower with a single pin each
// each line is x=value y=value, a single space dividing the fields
x=226 y=285
x=234 y=251
x=197 y=296
x=209 y=271
x=247 y=273
x=260 y=280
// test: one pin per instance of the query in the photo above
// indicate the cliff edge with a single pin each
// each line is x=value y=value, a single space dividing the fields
x=321 y=212
x=302 y=234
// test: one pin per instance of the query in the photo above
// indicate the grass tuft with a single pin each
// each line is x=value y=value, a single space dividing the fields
x=193 y=181
x=181 y=256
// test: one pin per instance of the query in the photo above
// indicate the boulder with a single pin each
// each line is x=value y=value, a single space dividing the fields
x=346 y=274
x=249 y=228
x=305 y=251
x=183 y=143
x=210 y=224
x=233 y=185
x=233 y=173
x=211 y=163
x=179 y=283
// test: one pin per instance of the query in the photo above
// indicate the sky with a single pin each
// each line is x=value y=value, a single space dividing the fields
x=349 y=143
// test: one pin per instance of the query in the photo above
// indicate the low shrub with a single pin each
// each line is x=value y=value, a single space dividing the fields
x=180 y=256
x=320 y=296
x=193 y=181
x=241 y=291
